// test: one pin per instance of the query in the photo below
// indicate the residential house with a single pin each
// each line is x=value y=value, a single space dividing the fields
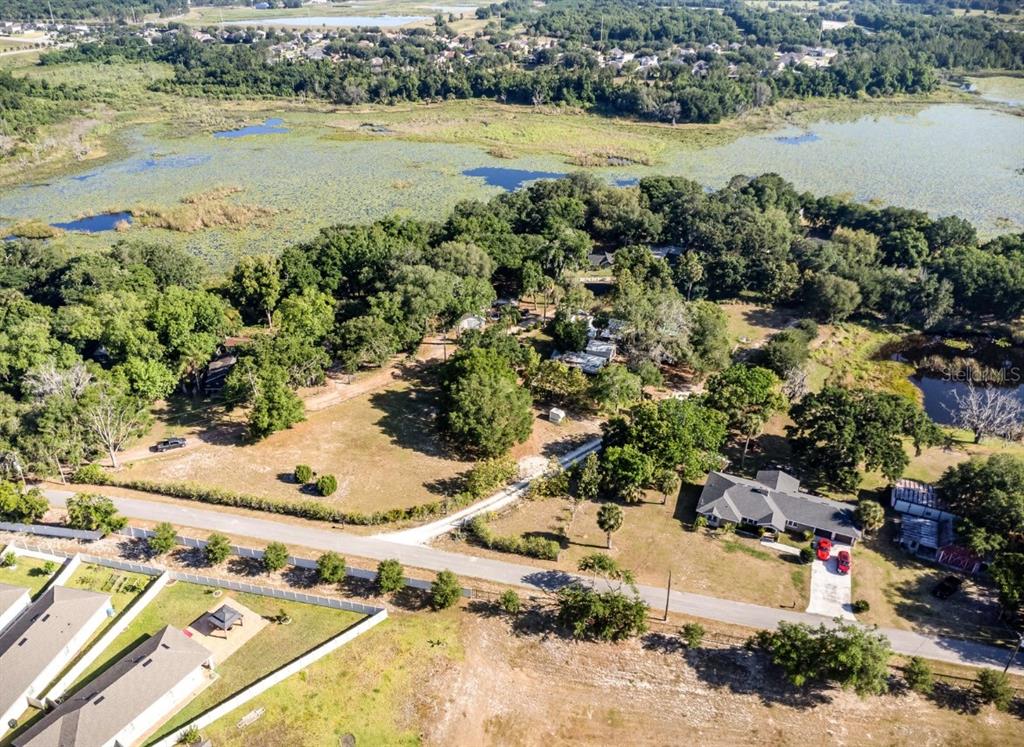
x=43 y=640
x=128 y=700
x=13 y=599
x=774 y=500
x=928 y=528
x=587 y=363
x=601 y=348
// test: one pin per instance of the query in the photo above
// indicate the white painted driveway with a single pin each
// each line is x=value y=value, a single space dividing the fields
x=831 y=591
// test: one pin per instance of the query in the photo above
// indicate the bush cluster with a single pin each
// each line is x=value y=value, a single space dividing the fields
x=531 y=547
x=490 y=474
x=300 y=509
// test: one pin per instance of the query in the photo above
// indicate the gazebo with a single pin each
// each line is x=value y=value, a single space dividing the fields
x=225 y=618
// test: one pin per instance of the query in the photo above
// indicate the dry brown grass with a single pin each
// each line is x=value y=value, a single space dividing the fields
x=209 y=209
x=653 y=541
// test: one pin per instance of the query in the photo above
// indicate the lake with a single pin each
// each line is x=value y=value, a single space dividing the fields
x=925 y=161
x=330 y=21
x=95 y=223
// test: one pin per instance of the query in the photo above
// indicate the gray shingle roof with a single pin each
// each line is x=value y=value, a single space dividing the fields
x=37 y=636
x=732 y=498
x=101 y=709
x=10 y=596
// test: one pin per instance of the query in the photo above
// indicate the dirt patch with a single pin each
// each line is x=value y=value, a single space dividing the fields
x=544 y=690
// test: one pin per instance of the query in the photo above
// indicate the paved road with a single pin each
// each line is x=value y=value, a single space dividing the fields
x=421 y=535
x=514 y=574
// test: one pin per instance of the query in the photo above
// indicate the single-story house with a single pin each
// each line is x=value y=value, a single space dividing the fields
x=914 y=498
x=129 y=699
x=774 y=500
x=601 y=348
x=471 y=321
x=602 y=259
x=587 y=363
x=43 y=640
x=924 y=536
x=13 y=599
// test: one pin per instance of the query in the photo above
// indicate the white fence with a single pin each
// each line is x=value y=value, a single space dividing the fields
x=262 y=685
x=99 y=646
x=51 y=531
x=266 y=591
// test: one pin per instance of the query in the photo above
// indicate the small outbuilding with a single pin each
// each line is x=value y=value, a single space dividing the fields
x=225 y=618
x=556 y=415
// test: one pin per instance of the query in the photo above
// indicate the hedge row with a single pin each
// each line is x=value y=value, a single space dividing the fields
x=94 y=475
x=531 y=547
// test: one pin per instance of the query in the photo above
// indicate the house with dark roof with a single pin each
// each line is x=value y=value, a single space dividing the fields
x=13 y=599
x=774 y=500
x=130 y=699
x=43 y=640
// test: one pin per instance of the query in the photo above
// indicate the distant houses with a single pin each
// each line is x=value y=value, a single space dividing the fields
x=128 y=700
x=43 y=640
x=600 y=349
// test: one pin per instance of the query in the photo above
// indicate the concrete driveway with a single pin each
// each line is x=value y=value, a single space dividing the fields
x=830 y=590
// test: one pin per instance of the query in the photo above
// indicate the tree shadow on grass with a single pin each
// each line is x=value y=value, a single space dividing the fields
x=448 y=485
x=745 y=672
x=408 y=418
x=953 y=698
x=134 y=549
x=662 y=643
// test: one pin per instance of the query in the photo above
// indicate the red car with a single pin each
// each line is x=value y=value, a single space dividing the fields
x=824 y=549
x=843 y=561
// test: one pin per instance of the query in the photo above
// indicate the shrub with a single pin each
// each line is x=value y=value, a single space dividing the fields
x=701 y=522
x=490 y=474
x=918 y=675
x=390 y=576
x=164 y=538
x=217 y=549
x=330 y=568
x=806 y=555
x=693 y=634
x=531 y=547
x=275 y=557
x=509 y=602
x=90 y=474
x=49 y=567
x=445 y=591
x=8 y=560
x=602 y=616
x=326 y=485
x=860 y=605
x=807 y=535
x=189 y=736
x=994 y=687
x=95 y=513
x=303 y=473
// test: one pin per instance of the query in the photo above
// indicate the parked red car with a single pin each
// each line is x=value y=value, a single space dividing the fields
x=824 y=549
x=843 y=561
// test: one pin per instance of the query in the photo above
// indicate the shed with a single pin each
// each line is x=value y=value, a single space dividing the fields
x=556 y=415
x=919 y=499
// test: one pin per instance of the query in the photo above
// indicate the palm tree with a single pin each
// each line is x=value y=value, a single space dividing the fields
x=609 y=519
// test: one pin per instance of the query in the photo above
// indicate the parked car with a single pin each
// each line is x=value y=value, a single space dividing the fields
x=824 y=548
x=169 y=443
x=947 y=587
x=843 y=561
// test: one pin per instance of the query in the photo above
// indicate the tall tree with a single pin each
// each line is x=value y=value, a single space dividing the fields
x=749 y=396
x=609 y=520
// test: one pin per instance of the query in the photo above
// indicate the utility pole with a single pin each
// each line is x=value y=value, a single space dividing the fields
x=1020 y=642
x=668 y=594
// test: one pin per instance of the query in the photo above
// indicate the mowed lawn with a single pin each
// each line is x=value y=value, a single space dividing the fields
x=384 y=448
x=368 y=688
x=28 y=573
x=653 y=541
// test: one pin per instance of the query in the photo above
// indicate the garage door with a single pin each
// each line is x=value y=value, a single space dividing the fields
x=843 y=539
x=823 y=533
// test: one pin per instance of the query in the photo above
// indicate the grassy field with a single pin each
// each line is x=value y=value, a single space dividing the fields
x=370 y=689
x=383 y=447
x=28 y=573
x=652 y=542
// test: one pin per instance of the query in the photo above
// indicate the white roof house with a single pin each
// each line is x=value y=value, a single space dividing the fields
x=43 y=640
x=128 y=700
